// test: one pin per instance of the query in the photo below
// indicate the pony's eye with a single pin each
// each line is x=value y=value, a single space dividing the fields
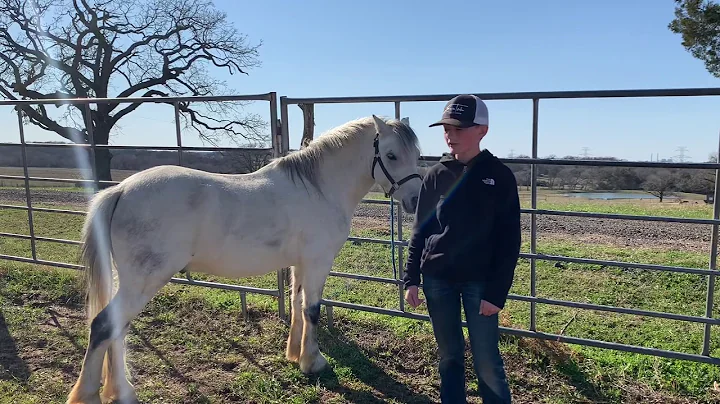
x=391 y=156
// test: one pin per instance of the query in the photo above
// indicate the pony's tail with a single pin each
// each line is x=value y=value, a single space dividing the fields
x=96 y=256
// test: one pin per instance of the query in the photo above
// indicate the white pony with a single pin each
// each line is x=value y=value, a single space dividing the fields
x=294 y=212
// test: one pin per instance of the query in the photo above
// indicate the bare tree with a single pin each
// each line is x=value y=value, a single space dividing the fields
x=51 y=49
x=660 y=184
x=248 y=160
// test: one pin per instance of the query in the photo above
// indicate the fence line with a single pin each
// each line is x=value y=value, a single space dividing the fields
x=534 y=256
x=280 y=146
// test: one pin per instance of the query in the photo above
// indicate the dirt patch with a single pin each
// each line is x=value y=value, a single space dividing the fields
x=17 y=196
x=622 y=233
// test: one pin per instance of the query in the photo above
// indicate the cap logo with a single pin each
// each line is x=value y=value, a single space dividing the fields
x=456 y=108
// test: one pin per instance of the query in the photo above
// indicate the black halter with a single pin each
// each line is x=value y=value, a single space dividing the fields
x=394 y=186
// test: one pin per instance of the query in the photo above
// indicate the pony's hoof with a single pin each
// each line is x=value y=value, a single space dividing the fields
x=91 y=399
x=316 y=365
x=292 y=354
x=128 y=398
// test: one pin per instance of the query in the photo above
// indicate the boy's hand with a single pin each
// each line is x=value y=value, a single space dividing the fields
x=488 y=309
x=411 y=297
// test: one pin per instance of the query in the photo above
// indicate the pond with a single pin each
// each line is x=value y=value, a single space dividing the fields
x=614 y=195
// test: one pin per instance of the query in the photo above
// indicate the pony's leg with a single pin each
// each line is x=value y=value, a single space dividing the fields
x=116 y=384
x=296 y=321
x=109 y=325
x=313 y=282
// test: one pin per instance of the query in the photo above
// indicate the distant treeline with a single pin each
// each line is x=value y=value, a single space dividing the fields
x=233 y=161
x=658 y=181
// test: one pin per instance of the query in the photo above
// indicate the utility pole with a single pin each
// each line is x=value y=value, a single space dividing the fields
x=585 y=153
x=512 y=153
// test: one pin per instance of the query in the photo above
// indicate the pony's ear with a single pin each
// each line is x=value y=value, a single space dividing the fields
x=405 y=120
x=380 y=126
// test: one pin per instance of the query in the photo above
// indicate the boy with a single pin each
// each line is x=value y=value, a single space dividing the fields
x=466 y=243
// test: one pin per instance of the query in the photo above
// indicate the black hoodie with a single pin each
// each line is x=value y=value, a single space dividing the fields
x=467 y=225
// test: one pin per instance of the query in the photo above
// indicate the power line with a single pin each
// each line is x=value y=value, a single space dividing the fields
x=681 y=156
x=585 y=153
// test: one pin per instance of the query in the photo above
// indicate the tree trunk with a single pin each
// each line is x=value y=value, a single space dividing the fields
x=309 y=123
x=103 y=156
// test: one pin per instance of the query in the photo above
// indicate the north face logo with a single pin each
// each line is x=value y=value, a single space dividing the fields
x=489 y=181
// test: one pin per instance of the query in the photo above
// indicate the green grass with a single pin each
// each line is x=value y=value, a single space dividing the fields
x=191 y=344
x=650 y=208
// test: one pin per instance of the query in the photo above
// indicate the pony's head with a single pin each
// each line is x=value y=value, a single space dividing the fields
x=395 y=163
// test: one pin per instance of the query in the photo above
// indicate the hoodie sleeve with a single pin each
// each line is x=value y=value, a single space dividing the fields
x=420 y=231
x=507 y=240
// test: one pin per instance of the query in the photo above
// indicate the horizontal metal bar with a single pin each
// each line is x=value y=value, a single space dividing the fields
x=697 y=271
x=49 y=210
x=48 y=239
x=225 y=286
x=595 y=163
x=376 y=241
x=41 y=262
x=16 y=207
x=126 y=100
x=129 y=147
x=20 y=177
x=367 y=278
x=63 y=180
x=541 y=335
x=611 y=163
x=610 y=345
x=620 y=217
x=670 y=92
x=379 y=201
x=250 y=289
x=613 y=309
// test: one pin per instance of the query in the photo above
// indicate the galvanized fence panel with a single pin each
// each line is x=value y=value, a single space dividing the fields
x=281 y=146
x=533 y=256
x=276 y=149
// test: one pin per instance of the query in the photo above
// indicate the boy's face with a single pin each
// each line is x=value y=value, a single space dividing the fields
x=463 y=140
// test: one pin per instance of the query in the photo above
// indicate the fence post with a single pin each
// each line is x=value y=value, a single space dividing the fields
x=91 y=140
x=278 y=150
x=713 y=259
x=285 y=137
x=400 y=271
x=26 y=173
x=276 y=141
x=533 y=217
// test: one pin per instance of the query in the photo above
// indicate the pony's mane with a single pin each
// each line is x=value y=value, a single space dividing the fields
x=303 y=164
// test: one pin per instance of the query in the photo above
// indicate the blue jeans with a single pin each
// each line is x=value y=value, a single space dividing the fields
x=443 y=303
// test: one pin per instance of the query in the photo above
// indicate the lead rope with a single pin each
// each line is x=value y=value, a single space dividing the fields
x=392 y=235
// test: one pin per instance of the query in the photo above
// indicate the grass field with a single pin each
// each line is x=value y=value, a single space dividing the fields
x=192 y=345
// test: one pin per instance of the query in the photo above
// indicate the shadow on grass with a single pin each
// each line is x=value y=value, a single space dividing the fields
x=554 y=355
x=12 y=367
x=173 y=370
x=348 y=354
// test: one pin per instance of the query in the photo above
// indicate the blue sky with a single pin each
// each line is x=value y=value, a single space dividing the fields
x=333 y=48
